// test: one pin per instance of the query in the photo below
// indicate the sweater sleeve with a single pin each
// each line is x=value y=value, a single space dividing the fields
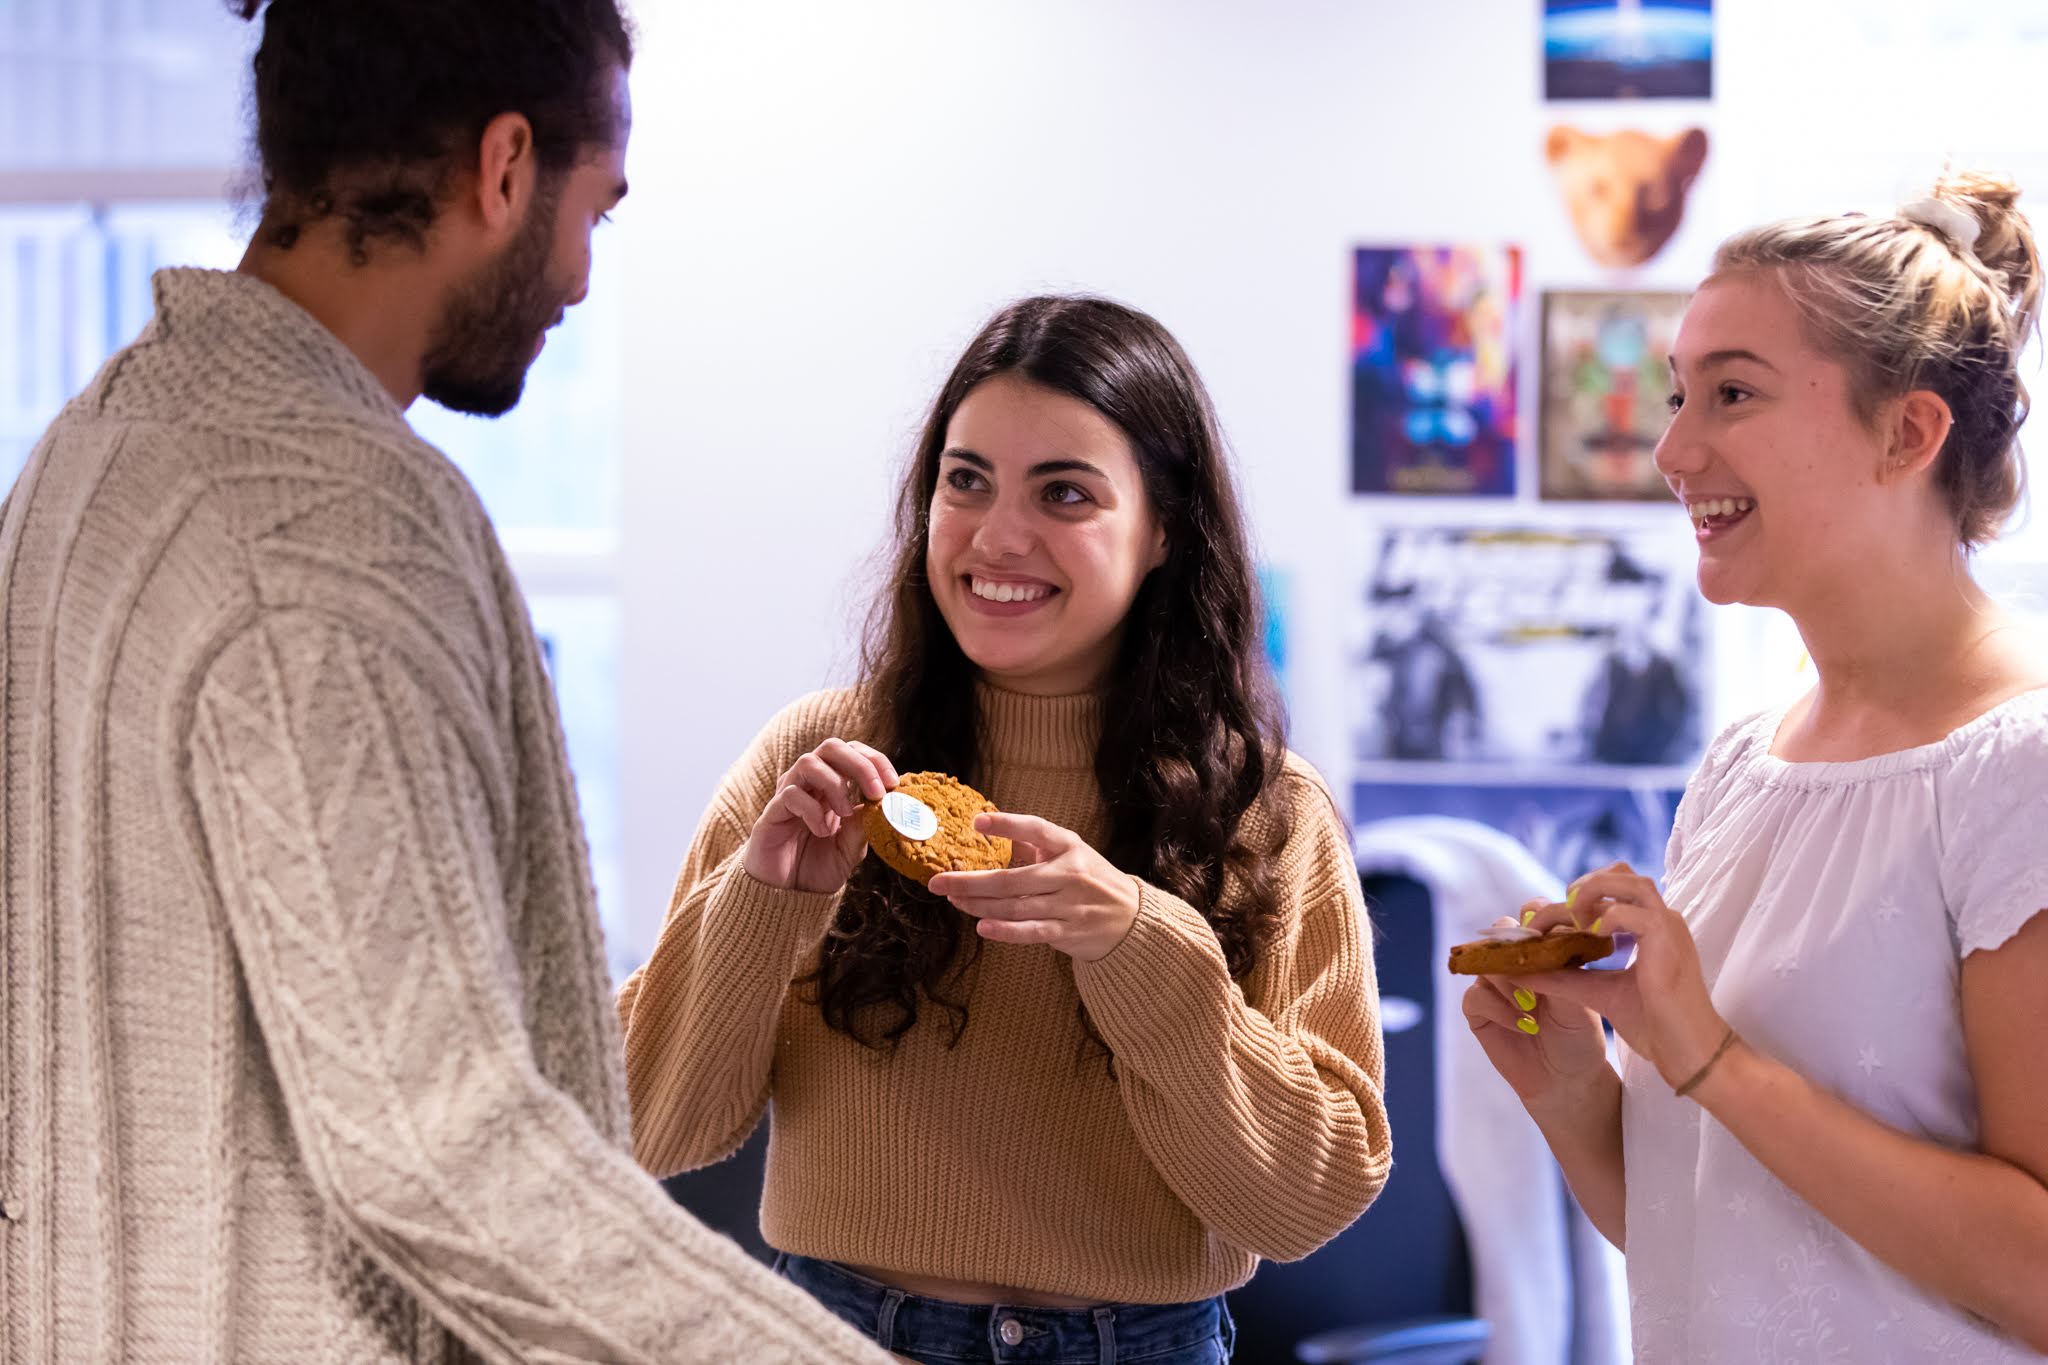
x=700 y=1018
x=353 y=805
x=1261 y=1107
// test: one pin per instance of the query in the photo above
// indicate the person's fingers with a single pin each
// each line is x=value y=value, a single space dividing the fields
x=1499 y=985
x=1024 y=853
x=890 y=779
x=1615 y=915
x=850 y=767
x=1596 y=991
x=794 y=803
x=1049 y=838
x=1484 y=1006
x=1013 y=908
x=826 y=785
x=1611 y=885
x=1019 y=931
x=1032 y=879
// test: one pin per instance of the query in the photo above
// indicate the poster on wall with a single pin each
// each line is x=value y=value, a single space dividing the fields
x=1624 y=191
x=1628 y=49
x=1606 y=394
x=1433 y=371
x=1275 y=609
x=1571 y=830
x=1527 y=653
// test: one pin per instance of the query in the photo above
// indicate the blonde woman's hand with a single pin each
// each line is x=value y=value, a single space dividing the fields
x=1057 y=890
x=1659 y=1003
x=1547 y=1049
x=809 y=837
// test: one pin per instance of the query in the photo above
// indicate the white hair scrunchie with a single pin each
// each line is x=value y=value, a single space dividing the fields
x=1959 y=226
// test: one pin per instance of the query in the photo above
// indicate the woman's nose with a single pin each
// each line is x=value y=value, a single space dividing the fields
x=1004 y=530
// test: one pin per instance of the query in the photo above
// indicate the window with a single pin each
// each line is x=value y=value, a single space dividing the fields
x=75 y=288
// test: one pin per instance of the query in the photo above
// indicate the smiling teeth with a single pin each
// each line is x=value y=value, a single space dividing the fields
x=1008 y=592
x=1719 y=507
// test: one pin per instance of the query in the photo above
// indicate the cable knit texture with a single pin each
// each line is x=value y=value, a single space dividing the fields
x=308 y=1053
x=1241 y=1122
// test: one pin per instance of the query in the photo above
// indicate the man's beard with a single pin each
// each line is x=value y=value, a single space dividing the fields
x=484 y=344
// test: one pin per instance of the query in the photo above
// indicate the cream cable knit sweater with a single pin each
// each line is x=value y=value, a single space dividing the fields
x=305 y=1048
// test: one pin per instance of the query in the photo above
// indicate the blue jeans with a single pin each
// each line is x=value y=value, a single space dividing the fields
x=941 y=1333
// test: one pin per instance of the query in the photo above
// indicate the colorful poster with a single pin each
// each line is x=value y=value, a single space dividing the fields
x=1274 y=597
x=1527 y=652
x=1628 y=49
x=1606 y=394
x=1432 y=370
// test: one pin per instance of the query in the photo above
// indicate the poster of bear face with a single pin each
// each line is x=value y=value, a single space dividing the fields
x=1628 y=49
x=1624 y=191
x=1432 y=370
x=1606 y=394
x=1527 y=653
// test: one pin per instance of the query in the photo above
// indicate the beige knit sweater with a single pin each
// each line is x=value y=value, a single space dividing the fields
x=306 y=1050
x=1242 y=1122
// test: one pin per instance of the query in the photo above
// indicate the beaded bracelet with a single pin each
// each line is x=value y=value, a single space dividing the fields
x=1727 y=1041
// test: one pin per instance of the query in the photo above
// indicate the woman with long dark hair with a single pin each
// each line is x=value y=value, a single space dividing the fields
x=1080 y=1097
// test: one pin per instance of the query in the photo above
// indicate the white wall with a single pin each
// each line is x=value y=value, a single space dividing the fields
x=829 y=198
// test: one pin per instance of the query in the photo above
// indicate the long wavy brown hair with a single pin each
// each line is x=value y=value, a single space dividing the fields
x=1199 y=728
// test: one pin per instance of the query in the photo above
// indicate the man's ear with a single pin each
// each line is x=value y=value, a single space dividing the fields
x=507 y=171
x=1918 y=429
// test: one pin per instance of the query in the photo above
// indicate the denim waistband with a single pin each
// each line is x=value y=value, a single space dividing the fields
x=939 y=1330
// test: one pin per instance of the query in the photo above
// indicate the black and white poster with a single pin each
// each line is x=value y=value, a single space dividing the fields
x=1525 y=649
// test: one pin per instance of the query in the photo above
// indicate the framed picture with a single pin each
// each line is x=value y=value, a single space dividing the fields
x=1528 y=653
x=1606 y=394
x=1433 y=370
x=1628 y=49
x=1571 y=830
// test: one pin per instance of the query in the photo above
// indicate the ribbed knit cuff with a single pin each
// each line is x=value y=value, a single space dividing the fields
x=746 y=919
x=1168 y=972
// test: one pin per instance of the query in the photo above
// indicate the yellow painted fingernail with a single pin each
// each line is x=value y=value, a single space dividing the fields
x=1597 y=922
x=1527 y=1024
x=1528 y=915
x=1571 y=895
x=1524 y=999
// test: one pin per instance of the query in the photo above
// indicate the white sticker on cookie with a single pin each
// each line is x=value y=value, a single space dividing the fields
x=909 y=817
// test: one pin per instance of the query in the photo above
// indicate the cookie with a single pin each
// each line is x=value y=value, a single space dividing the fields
x=926 y=826
x=1519 y=956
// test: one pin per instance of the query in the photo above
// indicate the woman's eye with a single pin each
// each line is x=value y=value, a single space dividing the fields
x=1065 y=494
x=1732 y=394
x=962 y=480
x=1675 y=401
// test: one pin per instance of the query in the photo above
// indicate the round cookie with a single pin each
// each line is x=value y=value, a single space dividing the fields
x=946 y=807
x=1518 y=956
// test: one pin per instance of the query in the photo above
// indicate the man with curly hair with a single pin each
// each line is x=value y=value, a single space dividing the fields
x=306 y=1046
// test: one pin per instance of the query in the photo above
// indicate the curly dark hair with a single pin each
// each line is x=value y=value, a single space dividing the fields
x=362 y=106
x=1199 y=727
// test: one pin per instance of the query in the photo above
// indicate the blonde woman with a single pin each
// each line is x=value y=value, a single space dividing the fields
x=1826 y=1140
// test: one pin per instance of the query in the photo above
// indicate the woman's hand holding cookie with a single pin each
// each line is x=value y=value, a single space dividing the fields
x=1659 y=1004
x=1057 y=891
x=808 y=838
x=1546 y=1049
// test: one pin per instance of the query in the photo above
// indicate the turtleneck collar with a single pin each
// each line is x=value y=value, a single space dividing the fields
x=1022 y=731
